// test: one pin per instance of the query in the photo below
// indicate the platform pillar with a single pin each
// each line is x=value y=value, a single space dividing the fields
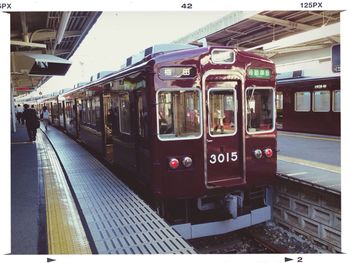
x=13 y=114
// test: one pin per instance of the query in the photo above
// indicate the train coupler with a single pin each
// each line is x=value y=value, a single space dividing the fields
x=233 y=204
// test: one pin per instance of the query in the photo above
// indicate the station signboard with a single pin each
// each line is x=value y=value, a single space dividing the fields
x=24 y=88
x=336 y=58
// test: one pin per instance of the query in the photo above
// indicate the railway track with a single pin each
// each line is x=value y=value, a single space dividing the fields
x=254 y=240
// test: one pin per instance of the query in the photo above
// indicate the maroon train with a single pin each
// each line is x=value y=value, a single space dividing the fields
x=310 y=105
x=195 y=125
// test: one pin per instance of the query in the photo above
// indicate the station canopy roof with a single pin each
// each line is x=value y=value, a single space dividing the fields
x=42 y=43
x=271 y=32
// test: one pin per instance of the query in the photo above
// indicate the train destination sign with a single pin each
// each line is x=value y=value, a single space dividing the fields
x=177 y=72
x=259 y=73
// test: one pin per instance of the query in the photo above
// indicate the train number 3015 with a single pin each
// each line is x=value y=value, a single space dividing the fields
x=223 y=157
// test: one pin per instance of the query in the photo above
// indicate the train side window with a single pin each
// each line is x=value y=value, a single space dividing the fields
x=222 y=105
x=260 y=112
x=321 y=101
x=279 y=100
x=124 y=113
x=302 y=101
x=96 y=112
x=83 y=109
x=88 y=111
x=115 y=113
x=93 y=112
x=336 y=101
x=179 y=114
x=140 y=116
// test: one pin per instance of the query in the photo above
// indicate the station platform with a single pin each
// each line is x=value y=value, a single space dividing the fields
x=64 y=201
x=310 y=159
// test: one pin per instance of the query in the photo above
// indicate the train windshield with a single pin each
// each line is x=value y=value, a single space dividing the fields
x=260 y=110
x=222 y=120
x=179 y=114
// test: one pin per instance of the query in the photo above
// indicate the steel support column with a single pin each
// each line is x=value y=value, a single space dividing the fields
x=13 y=115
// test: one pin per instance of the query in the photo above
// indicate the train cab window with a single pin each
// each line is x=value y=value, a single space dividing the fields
x=321 y=101
x=124 y=113
x=302 y=101
x=179 y=114
x=336 y=101
x=222 y=119
x=260 y=110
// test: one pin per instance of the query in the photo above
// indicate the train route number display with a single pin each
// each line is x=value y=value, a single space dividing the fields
x=223 y=157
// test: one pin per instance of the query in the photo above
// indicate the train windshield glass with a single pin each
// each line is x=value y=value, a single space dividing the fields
x=260 y=110
x=179 y=114
x=222 y=112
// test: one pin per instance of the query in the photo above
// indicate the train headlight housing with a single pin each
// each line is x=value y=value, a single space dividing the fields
x=174 y=163
x=187 y=161
x=268 y=152
x=258 y=154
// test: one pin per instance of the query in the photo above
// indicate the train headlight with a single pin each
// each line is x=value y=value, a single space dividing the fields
x=268 y=152
x=258 y=154
x=187 y=161
x=174 y=163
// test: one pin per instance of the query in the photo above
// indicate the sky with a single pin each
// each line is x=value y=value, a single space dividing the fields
x=118 y=35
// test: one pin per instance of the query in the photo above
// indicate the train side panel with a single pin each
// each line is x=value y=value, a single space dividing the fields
x=319 y=110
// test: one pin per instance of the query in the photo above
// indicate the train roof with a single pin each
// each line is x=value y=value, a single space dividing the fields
x=161 y=53
x=305 y=79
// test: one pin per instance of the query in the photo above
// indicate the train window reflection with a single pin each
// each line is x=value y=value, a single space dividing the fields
x=302 y=101
x=260 y=109
x=321 y=101
x=124 y=113
x=336 y=100
x=222 y=119
x=179 y=114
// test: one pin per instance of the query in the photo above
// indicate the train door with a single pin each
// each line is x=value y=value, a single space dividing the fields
x=108 y=123
x=123 y=130
x=142 y=139
x=63 y=115
x=75 y=117
x=223 y=134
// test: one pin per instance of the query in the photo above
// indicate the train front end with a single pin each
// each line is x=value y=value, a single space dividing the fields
x=214 y=145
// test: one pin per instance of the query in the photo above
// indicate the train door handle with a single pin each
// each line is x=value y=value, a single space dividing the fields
x=209 y=140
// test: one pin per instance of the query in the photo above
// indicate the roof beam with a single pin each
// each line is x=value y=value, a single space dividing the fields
x=24 y=27
x=301 y=38
x=45 y=35
x=27 y=44
x=281 y=22
x=218 y=25
x=299 y=49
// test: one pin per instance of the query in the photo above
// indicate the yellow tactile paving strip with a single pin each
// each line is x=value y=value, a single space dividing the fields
x=323 y=166
x=314 y=137
x=65 y=233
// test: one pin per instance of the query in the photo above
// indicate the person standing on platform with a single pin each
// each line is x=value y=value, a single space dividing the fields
x=17 y=116
x=19 y=113
x=31 y=118
x=45 y=116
